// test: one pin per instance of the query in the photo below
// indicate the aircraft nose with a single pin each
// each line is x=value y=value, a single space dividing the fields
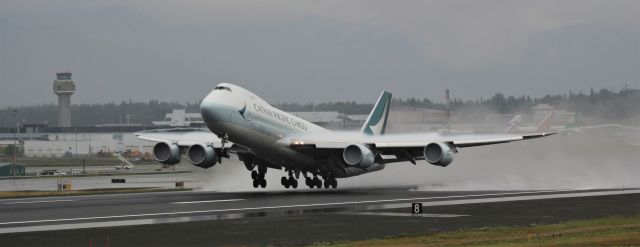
x=212 y=108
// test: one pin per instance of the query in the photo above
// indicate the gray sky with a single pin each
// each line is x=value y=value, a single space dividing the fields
x=315 y=51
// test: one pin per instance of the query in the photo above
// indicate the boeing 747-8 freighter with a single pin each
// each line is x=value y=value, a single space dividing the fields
x=239 y=122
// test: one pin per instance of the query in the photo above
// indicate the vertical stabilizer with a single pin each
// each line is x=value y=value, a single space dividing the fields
x=546 y=123
x=377 y=121
x=512 y=125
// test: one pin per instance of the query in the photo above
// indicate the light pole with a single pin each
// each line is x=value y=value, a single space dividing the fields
x=76 y=151
x=15 y=145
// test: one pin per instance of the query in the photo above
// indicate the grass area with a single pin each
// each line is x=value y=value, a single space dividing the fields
x=24 y=194
x=611 y=231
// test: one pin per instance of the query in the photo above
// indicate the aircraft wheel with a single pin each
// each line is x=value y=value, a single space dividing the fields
x=263 y=183
x=334 y=183
x=294 y=183
x=326 y=184
x=308 y=182
x=254 y=175
x=255 y=183
x=317 y=182
x=284 y=181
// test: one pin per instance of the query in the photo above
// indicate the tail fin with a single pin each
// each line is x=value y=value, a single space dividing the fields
x=377 y=121
x=571 y=122
x=512 y=125
x=546 y=123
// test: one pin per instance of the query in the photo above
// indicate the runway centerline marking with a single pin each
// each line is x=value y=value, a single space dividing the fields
x=28 y=202
x=210 y=201
x=265 y=207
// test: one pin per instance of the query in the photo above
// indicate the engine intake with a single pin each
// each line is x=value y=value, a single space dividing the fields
x=202 y=155
x=438 y=154
x=167 y=153
x=358 y=155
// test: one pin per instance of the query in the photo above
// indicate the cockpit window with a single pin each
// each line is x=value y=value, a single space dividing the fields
x=222 y=88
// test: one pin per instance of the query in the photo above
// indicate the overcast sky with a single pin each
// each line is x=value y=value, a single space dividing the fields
x=315 y=51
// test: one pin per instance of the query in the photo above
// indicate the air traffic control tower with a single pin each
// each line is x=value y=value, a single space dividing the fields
x=64 y=87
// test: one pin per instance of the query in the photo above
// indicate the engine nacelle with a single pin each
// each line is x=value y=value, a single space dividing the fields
x=167 y=153
x=202 y=155
x=438 y=154
x=358 y=155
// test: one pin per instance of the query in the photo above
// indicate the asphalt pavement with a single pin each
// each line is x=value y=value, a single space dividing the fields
x=289 y=217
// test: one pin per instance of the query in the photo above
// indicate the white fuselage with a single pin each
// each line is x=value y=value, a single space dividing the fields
x=247 y=120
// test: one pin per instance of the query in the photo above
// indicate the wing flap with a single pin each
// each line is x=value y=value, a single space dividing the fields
x=181 y=136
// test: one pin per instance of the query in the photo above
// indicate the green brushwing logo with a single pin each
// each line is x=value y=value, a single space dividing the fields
x=377 y=121
x=243 y=110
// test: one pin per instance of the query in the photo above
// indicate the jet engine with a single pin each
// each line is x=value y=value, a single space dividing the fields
x=202 y=155
x=358 y=155
x=438 y=154
x=167 y=153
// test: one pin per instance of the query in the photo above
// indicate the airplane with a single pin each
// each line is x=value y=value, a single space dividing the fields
x=569 y=127
x=514 y=124
x=241 y=123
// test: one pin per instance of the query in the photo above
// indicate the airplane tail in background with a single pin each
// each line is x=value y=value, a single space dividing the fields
x=512 y=125
x=545 y=124
x=377 y=121
x=571 y=123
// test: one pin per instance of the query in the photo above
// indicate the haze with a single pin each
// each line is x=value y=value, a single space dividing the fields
x=304 y=51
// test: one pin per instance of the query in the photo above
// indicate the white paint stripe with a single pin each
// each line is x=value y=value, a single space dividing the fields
x=211 y=201
x=28 y=202
x=277 y=207
x=402 y=214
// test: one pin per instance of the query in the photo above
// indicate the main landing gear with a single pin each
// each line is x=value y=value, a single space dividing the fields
x=327 y=181
x=289 y=181
x=258 y=177
x=330 y=182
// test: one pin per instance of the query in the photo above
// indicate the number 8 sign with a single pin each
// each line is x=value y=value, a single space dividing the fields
x=416 y=208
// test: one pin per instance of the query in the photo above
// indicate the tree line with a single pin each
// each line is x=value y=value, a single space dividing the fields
x=603 y=103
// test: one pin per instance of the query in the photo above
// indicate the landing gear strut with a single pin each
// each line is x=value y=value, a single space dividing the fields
x=289 y=181
x=258 y=177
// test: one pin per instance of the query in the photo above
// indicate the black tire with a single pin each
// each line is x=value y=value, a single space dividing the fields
x=254 y=175
x=284 y=181
x=294 y=184
x=334 y=183
x=255 y=183
x=263 y=183
x=326 y=184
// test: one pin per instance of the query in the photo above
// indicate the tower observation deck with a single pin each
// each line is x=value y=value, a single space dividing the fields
x=64 y=87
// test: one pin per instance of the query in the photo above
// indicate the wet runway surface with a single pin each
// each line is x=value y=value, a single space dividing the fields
x=292 y=217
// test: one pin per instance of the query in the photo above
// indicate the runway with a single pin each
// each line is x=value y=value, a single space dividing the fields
x=292 y=217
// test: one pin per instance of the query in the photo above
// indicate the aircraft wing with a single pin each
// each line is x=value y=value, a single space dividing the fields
x=404 y=147
x=403 y=140
x=181 y=136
